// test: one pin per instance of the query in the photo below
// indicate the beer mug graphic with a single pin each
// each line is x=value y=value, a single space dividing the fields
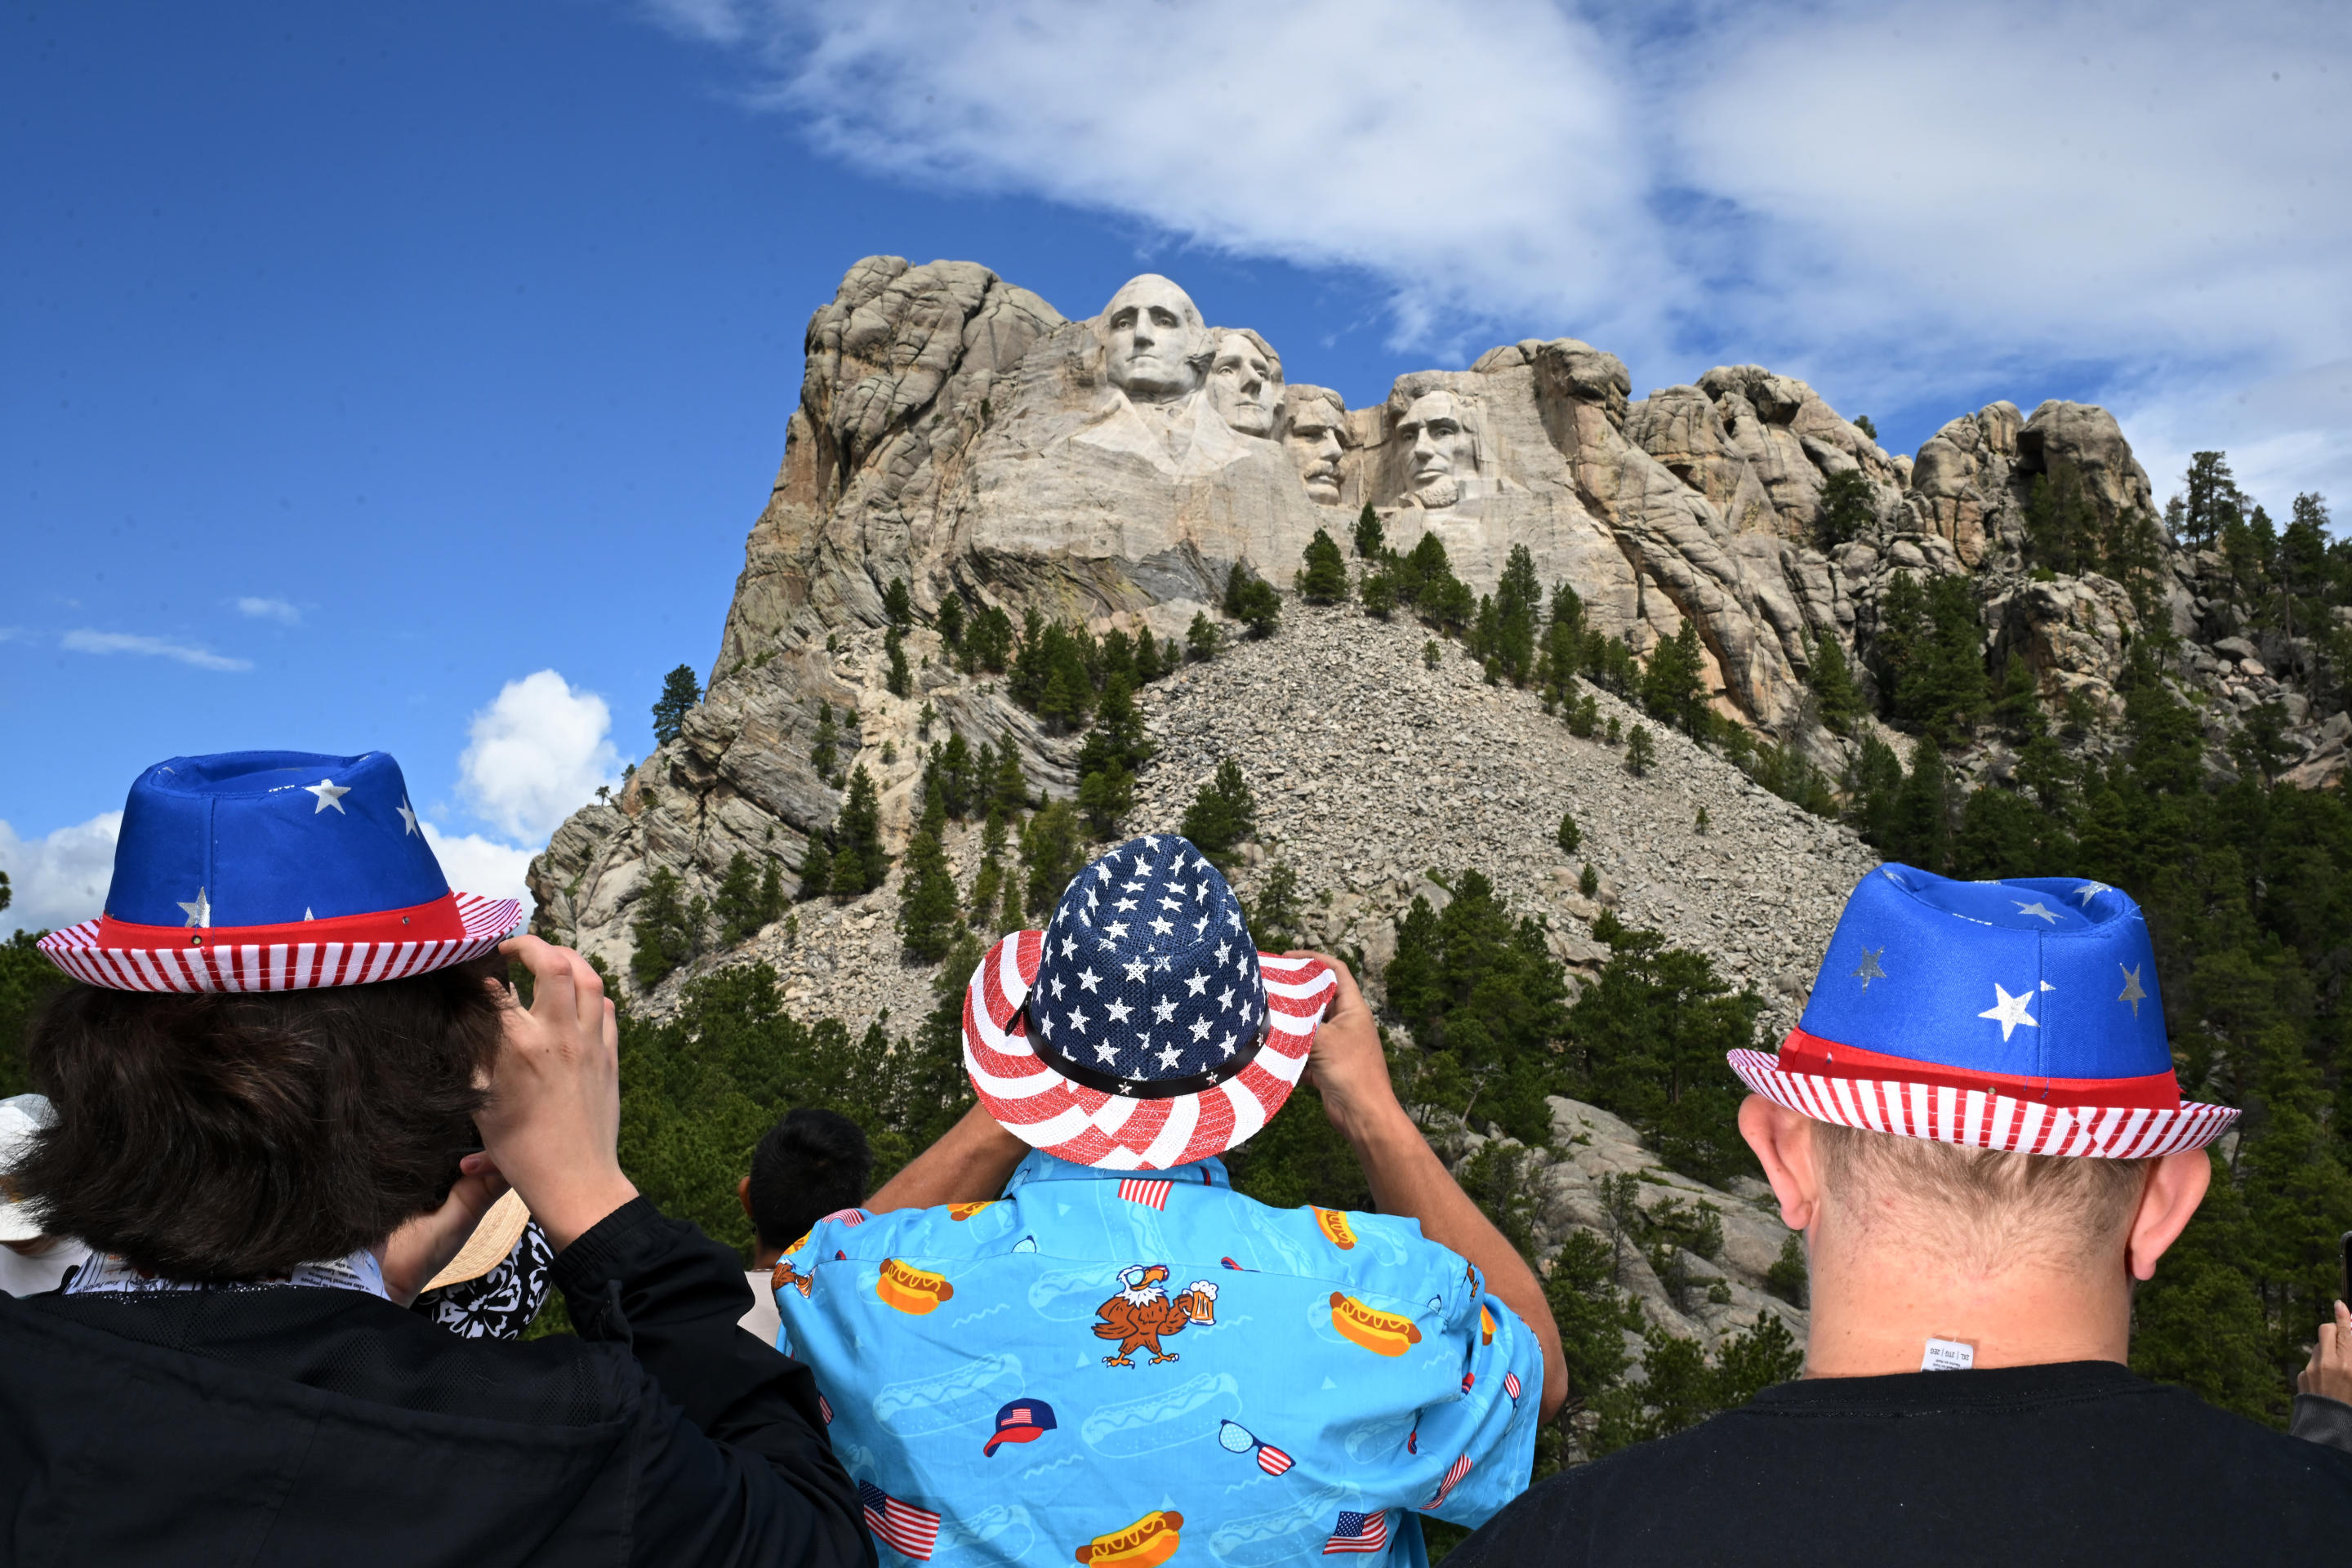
x=1200 y=1301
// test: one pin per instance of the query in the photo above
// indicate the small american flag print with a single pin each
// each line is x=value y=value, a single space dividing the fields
x=824 y=1409
x=1460 y=1469
x=912 y=1530
x=1511 y=1385
x=1359 y=1533
x=1150 y=1195
x=847 y=1216
x=1273 y=1460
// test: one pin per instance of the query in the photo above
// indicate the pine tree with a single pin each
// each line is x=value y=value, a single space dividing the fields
x=1922 y=818
x=988 y=884
x=1587 y=881
x=663 y=930
x=1252 y=601
x=823 y=744
x=1008 y=790
x=1368 y=542
x=737 y=902
x=894 y=644
x=1670 y=687
x=816 y=866
x=1052 y=850
x=927 y=903
x=2213 y=501
x=1323 y=579
x=1838 y=699
x=1639 y=750
x=679 y=693
x=1202 y=637
x=1380 y=596
x=770 y=905
x=859 y=861
x=952 y=622
x=1570 y=838
x=898 y=605
x=1849 y=505
x=1518 y=605
x=1223 y=813
x=1273 y=919
x=1147 y=658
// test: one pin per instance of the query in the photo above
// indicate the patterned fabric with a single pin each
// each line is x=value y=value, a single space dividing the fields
x=107 y=1273
x=275 y=871
x=1358 y=1533
x=500 y=1304
x=1142 y=1029
x=1226 y=1378
x=2014 y=1015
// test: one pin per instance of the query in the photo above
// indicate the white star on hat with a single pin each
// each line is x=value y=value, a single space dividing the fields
x=1056 y=984
x=199 y=913
x=2131 y=991
x=1116 y=928
x=1088 y=979
x=1200 y=1028
x=1107 y=1052
x=1118 y=1012
x=1124 y=905
x=1224 y=999
x=2037 y=908
x=1069 y=947
x=1195 y=984
x=1169 y=1055
x=330 y=793
x=1076 y=1019
x=2090 y=890
x=1137 y=969
x=1225 y=951
x=1163 y=1010
x=1201 y=927
x=2009 y=1012
x=1161 y=926
x=1226 y=1045
x=407 y=816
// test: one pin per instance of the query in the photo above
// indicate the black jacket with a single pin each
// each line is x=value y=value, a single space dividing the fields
x=298 y=1425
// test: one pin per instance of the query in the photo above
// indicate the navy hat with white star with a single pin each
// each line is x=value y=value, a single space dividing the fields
x=272 y=871
x=1141 y=1029
x=1149 y=983
x=2003 y=1015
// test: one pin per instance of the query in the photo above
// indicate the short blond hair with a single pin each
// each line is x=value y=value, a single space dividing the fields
x=1983 y=1208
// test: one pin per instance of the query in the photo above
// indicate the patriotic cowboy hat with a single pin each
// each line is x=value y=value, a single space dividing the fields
x=1141 y=1029
x=275 y=871
x=2015 y=1016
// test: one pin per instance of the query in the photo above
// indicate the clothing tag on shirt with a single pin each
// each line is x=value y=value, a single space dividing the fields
x=1948 y=1355
x=107 y=1273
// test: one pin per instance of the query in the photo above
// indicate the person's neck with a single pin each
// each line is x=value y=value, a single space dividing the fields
x=765 y=1257
x=1873 y=1312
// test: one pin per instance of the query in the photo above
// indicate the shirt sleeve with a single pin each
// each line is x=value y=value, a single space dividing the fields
x=2322 y=1420
x=733 y=1465
x=1487 y=1438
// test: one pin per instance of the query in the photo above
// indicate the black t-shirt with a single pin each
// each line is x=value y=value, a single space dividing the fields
x=2077 y=1462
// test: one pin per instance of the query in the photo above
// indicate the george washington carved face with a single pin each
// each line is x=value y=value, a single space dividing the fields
x=1153 y=341
x=1314 y=432
x=1245 y=382
x=1443 y=446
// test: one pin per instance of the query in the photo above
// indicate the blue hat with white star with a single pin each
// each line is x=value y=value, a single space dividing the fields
x=275 y=871
x=1141 y=1029
x=2009 y=1015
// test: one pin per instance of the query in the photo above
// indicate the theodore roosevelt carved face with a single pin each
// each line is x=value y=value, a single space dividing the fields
x=1245 y=381
x=1439 y=435
x=1154 y=347
x=1314 y=432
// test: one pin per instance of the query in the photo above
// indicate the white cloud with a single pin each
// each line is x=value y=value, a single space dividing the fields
x=536 y=755
x=278 y=610
x=84 y=640
x=1889 y=198
x=61 y=880
x=477 y=865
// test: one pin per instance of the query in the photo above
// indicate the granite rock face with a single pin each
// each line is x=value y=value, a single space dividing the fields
x=958 y=433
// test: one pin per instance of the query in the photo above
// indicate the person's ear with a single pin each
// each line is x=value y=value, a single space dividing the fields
x=2176 y=1185
x=1783 y=1143
x=744 y=1195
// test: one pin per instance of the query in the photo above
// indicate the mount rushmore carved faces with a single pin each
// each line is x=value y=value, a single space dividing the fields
x=1155 y=346
x=1245 y=381
x=1314 y=432
x=1439 y=431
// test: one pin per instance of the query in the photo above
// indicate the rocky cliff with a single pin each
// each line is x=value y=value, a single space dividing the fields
x=958 y=433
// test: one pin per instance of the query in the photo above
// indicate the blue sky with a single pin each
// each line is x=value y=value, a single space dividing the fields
x=361 y=363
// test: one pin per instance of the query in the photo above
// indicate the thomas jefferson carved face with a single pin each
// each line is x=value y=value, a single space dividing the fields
x=1314 y=433
x=1152 y=340
x=1444 y=449
x=1245 y=384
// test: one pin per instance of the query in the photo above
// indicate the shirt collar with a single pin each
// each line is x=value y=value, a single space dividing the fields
x=1041 y=1166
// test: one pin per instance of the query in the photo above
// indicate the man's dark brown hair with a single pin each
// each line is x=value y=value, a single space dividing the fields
x=219 y=1137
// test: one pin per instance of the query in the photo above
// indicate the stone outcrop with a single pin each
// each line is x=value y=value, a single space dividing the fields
x=958 y=433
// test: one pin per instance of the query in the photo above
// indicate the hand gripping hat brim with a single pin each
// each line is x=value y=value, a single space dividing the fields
x=2018 y=1015
x=1141 y=1030
x=275 y=871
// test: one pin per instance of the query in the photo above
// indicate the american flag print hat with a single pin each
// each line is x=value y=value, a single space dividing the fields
x=275 y=871
x=2018 y=1015
x=1141 y=1029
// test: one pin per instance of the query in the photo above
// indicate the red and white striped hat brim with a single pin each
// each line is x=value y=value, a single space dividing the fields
x=1112 y=1131
x=1984 y=1118
x=224 y=964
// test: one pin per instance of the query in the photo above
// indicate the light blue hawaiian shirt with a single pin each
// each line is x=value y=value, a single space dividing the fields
x=1123 y=1368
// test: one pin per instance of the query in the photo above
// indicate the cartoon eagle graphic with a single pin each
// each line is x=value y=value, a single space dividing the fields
x=1143 y=1312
